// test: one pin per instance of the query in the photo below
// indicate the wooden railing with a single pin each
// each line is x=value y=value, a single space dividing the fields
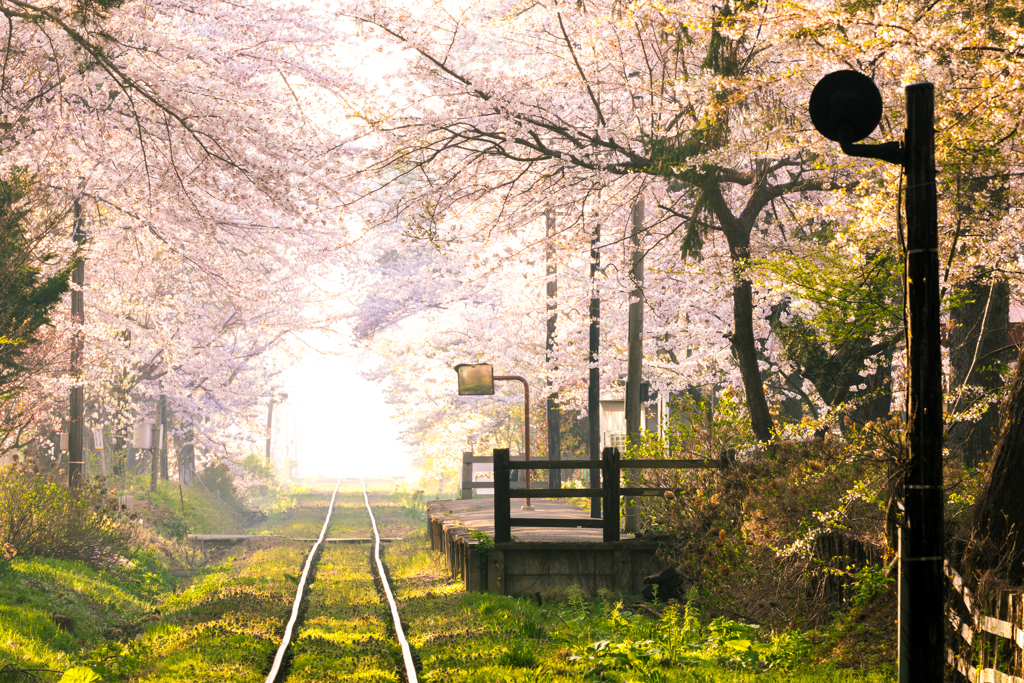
x=469 y=484
x=995 y=642
x=610 y=465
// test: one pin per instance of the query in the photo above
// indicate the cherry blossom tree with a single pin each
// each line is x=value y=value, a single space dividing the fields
x=201 y=144
x=508 y=111
x=594 y=105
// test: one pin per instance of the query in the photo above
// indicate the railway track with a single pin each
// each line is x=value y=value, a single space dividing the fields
x=280 y=670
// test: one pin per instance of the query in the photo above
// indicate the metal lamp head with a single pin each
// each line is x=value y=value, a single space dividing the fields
x=845 y=106
x=475 y=380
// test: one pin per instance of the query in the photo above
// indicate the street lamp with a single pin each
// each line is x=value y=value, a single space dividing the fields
x=478 y=380
x=846 y=107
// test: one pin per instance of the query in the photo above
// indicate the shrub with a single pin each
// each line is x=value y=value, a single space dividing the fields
x=40 y=518
x=218 y=478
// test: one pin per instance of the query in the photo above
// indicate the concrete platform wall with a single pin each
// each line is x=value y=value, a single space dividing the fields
x=520 y=568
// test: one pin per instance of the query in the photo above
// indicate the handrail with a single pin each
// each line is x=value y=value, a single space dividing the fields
x=611 y=488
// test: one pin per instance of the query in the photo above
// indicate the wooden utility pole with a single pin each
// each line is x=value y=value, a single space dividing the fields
x=270 y=426
x=554 y=412
x=594 y=384
x=921 y=535
x=187 y=457
x=76 y=463
x=634 y=367
x=154 y=459
x=161 y=417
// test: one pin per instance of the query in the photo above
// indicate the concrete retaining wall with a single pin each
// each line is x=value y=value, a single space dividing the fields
x=519 y=568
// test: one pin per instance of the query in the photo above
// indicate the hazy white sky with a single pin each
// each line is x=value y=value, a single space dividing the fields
x=346 y=425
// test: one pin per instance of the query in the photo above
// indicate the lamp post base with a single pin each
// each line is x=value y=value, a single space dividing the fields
x=528 y=508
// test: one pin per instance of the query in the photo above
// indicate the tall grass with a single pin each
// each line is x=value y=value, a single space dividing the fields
x=41 y=518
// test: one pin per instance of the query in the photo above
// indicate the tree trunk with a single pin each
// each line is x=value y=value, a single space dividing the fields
x=634 y=367
x=743 y=346
x=635 y=333
x=554 y=411
x=977 y=343
x=737 y=233
x=999 y=509
x=187 y=457
x=594 y=379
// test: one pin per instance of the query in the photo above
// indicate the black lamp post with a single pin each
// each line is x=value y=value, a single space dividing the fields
x=846 y=107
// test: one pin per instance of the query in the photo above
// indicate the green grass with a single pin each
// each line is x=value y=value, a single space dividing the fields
x=345 y=636
x=481 y=638
x=227 y=624
x=103 y=605
x=224 y=624
x=204 y=513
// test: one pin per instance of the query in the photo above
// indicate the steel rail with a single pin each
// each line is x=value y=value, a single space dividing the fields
x=410 y=666
x=289 y=629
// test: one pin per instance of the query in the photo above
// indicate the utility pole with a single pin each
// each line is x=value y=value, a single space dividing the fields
x=921 y=536
x=76 y=464
x=187 y=456
x=594 y=384
x=846 y=107
x=154 y=456
x=554 y=412
x=270 y=426
x=161 y=416
x=634 y=367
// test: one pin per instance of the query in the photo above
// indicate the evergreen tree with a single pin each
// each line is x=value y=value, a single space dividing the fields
x=31 y=283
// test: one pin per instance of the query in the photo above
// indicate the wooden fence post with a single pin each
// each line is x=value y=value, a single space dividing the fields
x=1017 y=619
x=611 y=473
x=502 y=504
x=467 y=475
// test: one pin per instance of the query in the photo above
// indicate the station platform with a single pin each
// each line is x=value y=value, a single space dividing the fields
x=478 y=514
x=538 y=559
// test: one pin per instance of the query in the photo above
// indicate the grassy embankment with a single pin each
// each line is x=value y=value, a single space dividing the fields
x=122 y=618
x=101 y=608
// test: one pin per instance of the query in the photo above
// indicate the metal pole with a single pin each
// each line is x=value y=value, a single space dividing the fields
x=526 y=425
x=634 y=366
x=554 y=412
x=922 y=585
x=594 y=385
x=76 y=463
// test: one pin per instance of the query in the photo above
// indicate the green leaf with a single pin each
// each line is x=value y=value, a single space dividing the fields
x=80 y=674
x=741 y=644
